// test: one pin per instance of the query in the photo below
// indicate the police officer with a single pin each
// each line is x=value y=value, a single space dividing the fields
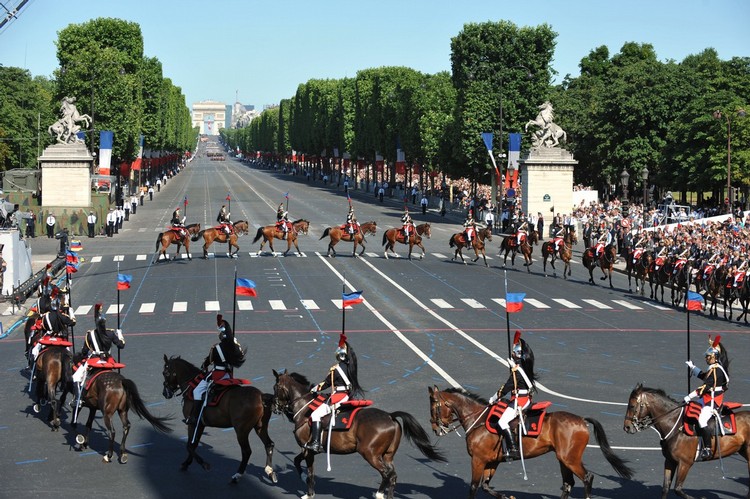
x=91 y=221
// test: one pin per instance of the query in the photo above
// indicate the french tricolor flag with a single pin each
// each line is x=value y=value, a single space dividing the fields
x=514 y=302
x=106 y=139
x=245 y=287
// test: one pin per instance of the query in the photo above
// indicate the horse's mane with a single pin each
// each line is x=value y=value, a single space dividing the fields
x=180 y=360
x=467 y=394
x=300 y=220
x=239 y=222
x=299 y=378
x=653 y=391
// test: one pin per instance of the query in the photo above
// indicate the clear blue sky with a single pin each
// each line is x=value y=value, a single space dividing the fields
x=264 y=49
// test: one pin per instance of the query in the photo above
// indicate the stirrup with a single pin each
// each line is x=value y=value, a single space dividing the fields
x=706 y=454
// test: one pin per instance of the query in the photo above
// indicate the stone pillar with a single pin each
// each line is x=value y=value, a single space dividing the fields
x=547 y=181
x=66 y=176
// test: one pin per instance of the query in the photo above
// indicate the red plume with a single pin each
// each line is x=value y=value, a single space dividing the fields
x=342 y=340
x=98 y=308
x=49 y=266
x=517 y=337
x=716 y=341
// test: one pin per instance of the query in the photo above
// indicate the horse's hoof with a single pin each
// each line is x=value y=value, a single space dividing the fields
x=36 y=408
x=235 y=478
x=106 y=459
x=124 y=459
x=80 y=439
x=206 y=466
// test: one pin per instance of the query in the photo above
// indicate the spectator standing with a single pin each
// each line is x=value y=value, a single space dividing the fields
x=120 y=217
x=133 y=203
x=126 y=203
x=3 y=267
x=30 y=224
x=91 y=221
x=381 y=192
x=540 y=224
x=51 y=221
x=424 y=202
x=143 y=194
x=150 y=193
x=111 y=219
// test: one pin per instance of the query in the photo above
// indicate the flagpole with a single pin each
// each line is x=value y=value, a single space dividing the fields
x=234 y=299
x=343 y=307
x=229 y=200
x=687 y=311
x=507 y=314
x=186 y=204
x=118 y=309
x=70 y=303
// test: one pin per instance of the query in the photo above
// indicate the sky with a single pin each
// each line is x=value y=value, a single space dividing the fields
x=258 y=52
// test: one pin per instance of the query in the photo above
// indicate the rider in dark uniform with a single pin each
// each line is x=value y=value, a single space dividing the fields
x=470 y=230
x=407 y=223
x=351 y=221
x=178 y=223
x=282 y=219
x=223 y=219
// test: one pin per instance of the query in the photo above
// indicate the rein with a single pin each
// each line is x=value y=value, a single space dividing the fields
x=648 y=421
x=450 y=427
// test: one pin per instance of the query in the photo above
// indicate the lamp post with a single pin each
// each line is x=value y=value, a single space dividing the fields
x=728 y=116
x=624 y=178
x=644 y=177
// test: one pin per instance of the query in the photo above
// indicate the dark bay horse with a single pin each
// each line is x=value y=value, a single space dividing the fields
x=659 y=275
x=477 y=244
x=679 y=282
x=563 y=433
x=396 y=235
x=338 y=234
x=270 y=232
x=171 y=236
x=565 y=253
x=638 y=266
x=375 y=434
x=526 y=248
x=715 y=286
x=218 y=235
x=652 y=408
x=606 y=262
x=244 y=408
x=111 y=393
x=53 y=373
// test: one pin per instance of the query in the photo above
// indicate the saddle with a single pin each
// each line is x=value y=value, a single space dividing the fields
x=216 y=390
x=737 y=278
x=220 y=228
x=658 y=262
x=280 y=225
x=533 y=418
x=345 y=228
x=344 y=415
x=180 y=232
x=97 y=373
x=636 y=255
x=726 y=413
x=54 y=341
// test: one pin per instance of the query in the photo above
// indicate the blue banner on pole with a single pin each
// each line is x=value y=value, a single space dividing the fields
x=487 y=138
x=514 y=142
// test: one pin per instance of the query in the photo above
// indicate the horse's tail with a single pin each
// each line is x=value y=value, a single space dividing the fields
x=417 y=436
x=258 y=234
x=197 y=235
x=618 y=464
x=385 y=237
x=452 y=242
x=158 y=240
x=325 y=233
x=135 y=401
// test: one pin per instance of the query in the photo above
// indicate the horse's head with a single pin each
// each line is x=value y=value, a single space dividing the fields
x=369 y=227
x=241 y=227
x=486 y=233
x=424 y=230
x=288 y=389
x=645 y=407
x=571 y=237
x=441 y=413
x=177 y=373
x=301 y=226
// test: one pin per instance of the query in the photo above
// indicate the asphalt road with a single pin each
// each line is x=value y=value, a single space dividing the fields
x=425 y=322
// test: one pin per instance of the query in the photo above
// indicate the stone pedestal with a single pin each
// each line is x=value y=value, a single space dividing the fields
x=547 y=181
x=66 y=176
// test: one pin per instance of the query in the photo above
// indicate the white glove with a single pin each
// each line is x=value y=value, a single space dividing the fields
x=493 y=399
x=690 y=364
x=687 y=399
x=118 y=332
x=511 y=362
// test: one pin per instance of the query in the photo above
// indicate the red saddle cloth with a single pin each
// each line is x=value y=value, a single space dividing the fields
x=728 y=422
x=97 y=373
x=345 y=414
x=219 y=388
x=637 y=254
x=108 y=363
x=54 y=341
x=533 y=417
x=220 y=228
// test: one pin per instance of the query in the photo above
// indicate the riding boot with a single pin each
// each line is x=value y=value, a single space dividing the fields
x=706 y=453
x=314 y=444
x=194 y=413
x=510 y=443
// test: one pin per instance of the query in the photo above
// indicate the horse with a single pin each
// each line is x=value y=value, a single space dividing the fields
x=168 y=237
x=525 y=248
x=270 y=232
x=373 y=433
x=679 y=283
x=714 y=286
x=652 y=408
x=565 y=253
x=638 y=267
x=216 y=234
x=739 y=293
x=111 y=392
x=338 y=234
x=396 y=234
x=477 y=244
x=53 y=372
x=562 y=432
x=244 y=408
x=606 y=262
x=659 y=275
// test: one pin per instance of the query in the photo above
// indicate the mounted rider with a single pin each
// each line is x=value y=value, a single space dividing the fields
x=522 y=230
x=178 y=223
x=558 y=234
x=408 y=223
x=520 y=385
x=352 y=226
x=53 y=323
x=342 y=379
x=223 y=356
x=282 y=220
x=605 y=241
x=711 y=393
x=224 y=220
x=470 y=230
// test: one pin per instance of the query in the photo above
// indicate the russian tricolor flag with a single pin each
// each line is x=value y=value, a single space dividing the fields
x=514 y=302
x=695 y=301
x=123 y=281
x=245 y=287
x=349 y=299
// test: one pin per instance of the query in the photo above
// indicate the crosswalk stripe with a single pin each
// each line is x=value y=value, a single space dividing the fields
x=147 y=308
x=112 y=309
x=277 y=304
x=142 y=229
x=338 y=302
x=627 y=304
x=657 y=307
x=535 y=303
x=371 y=254
x=565 y=303
x=96 y=259
x=141 y=257
x=212 y=306
x=500 y=301
x=244 y=304
x=179 y=306
x=440 y=303
x=598 y=304
x=83 y=310
x=472 y=303
x=310 y=304
x=439 y=255
x=119 y=258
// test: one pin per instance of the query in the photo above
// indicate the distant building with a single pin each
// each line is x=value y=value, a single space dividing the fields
x=209 y=116
x=243 y=114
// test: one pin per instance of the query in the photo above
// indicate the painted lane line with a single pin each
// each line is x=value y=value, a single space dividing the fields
x=472 y=303
x=244 y=304
x=310 y=304
x=179 y=306
x=598 y=304
x=83 y=310
x=96 y=259
x=565 y=303
x=277 y=304
x=141 y=257
x=112 y=309
x=212 y=306
x=535 y=303
x=440 y=303
x=147 y=308
x=627 y=304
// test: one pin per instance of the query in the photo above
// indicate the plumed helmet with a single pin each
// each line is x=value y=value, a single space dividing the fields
x=342 y=353
x=714 y=347
x=517 y=345
x=99 y=317
x=225 y=331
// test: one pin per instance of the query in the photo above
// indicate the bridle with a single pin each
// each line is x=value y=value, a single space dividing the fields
x=647 y=421
x=455 y=423
x=171 y=386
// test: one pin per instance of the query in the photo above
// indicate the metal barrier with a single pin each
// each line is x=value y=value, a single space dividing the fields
x=25 y=289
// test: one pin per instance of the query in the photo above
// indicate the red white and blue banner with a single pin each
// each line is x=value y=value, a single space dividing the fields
x=349 y=299
x=106 y=139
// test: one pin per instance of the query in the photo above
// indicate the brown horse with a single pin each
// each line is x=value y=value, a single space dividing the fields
x=270 y=232
x=565 y=253
x=606 y=262
x=659 y=275
x=218 y=235
x=714 y=287
x=111 y=393
x=173 y=236
x=652 y=408
x=396 y=235
x=477 y=244
x=244 y=408
x=526 y=248
x=563 y=433
x=338 y=234
x=639 y=266
x=374 y=433
x=53 y=373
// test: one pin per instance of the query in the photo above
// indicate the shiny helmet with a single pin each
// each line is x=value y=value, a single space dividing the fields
x=225 y=331
x=714 y=347
x=517 y=349
x=342 y=351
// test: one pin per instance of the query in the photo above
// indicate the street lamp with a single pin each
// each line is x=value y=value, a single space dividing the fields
x=624 y=178
x=644 y=177
x=728 y=116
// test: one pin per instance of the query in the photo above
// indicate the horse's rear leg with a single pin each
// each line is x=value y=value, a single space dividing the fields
x=568 y=474
x=125 y=430
x=83 y=440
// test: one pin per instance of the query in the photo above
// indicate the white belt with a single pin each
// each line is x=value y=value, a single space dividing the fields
x=220 y=368
x=341 y=388
x=522 y=392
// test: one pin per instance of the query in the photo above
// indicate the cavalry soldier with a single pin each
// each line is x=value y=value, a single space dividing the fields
x=711 y=393
x=178 y=223
x=470 y=228
x=520 y=385
x=54 y=322
x=605 y=240
x=223 y=356
x=407 y=223
x=352 y=226
x=522 y=230
x=223 y=219
x=557 y=236
x=282 y=220
x=342 y=379
x=738 y=272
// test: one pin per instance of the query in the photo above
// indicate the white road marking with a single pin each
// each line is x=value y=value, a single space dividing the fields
x=598 y=304
x=147 y=308
x=627 y=304
x=179 y=306
x=310 y=304
x=441 y=303
x=565 y=303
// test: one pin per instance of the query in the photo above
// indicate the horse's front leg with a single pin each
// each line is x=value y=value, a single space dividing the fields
x=262 y=432
x=111 y=434
x=192 y=448
x=680 y=474
x=310 y=481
